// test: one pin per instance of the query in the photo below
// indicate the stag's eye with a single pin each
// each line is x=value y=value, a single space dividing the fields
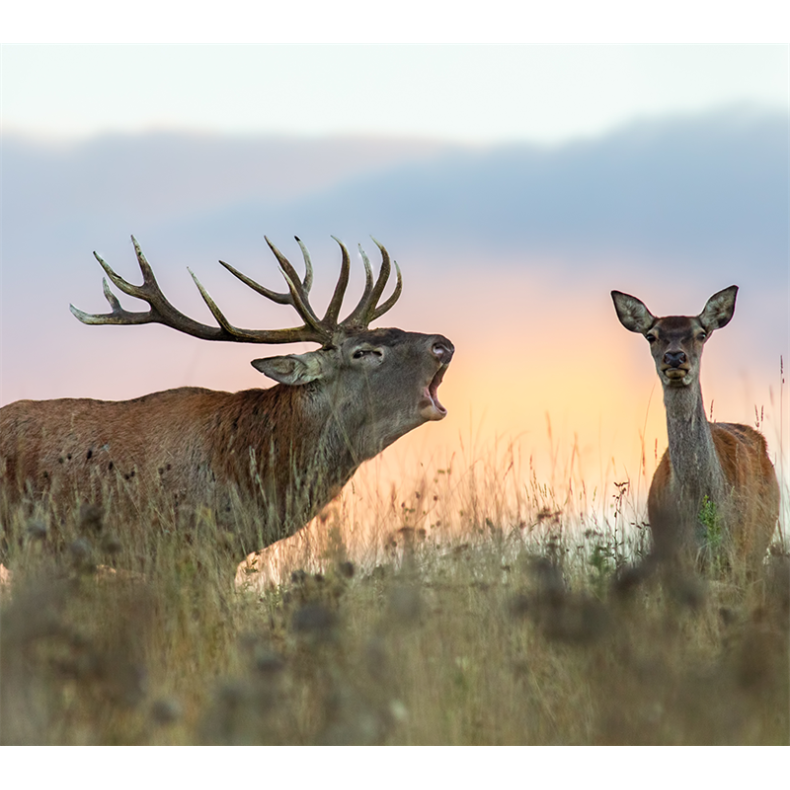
x=651 y=338
x=366 y=352
x=701 y=336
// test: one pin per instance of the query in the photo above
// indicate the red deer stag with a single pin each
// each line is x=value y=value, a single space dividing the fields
x=281 y=453
x=715 y=482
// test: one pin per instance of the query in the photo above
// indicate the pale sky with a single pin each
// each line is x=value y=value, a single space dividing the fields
x=470 y=94
x=465 y=93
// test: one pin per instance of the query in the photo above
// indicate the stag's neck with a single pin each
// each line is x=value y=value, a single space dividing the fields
x=286 y=448
x=696 y=469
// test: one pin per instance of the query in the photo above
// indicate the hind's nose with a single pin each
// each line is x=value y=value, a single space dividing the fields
x=675 y=358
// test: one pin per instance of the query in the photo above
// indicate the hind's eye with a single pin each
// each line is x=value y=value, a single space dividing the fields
x=651 y=338
x=701 y=336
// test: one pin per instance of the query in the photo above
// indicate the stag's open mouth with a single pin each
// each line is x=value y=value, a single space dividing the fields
x=430 y=407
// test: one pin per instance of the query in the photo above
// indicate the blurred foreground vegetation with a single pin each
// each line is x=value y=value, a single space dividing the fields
x=454 y=615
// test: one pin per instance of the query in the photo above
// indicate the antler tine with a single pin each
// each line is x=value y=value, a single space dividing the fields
x=296 y=287
x=384 y=274
x=366 y=311
x=212 y=305
x=110 y=296
x=308 y=266
x=230 y=332
x=368 y=273
x=273 y=295
x=332 y=312
x=368 y=276
x=138 y=291
x=356 y=316
x=149 y=292
x=379 y=311
x=118 y=314
x=160 y=310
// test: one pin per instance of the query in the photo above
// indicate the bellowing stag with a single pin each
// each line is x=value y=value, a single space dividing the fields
x=280 y=453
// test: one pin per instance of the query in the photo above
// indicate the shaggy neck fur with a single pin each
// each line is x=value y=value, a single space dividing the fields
x=290 y=478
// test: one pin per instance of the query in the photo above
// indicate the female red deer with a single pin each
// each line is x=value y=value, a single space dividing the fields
x=280 y=453
x=715 y=481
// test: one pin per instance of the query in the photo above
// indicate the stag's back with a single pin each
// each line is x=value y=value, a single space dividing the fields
x=82 y=444
x=263 y=449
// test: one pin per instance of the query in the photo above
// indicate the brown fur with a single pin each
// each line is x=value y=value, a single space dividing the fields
x=720 y=465
x=263 y=462
x=743 y=455
x=280 y=454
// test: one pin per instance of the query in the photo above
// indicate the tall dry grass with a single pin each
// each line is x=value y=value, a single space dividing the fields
x=458 y=601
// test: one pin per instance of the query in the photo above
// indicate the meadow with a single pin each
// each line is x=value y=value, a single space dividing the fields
x=464 y=590
x=460 y=601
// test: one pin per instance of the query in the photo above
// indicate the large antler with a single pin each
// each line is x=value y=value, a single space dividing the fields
x=320 y=330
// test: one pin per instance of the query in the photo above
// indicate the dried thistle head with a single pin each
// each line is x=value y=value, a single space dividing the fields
x=90 y=519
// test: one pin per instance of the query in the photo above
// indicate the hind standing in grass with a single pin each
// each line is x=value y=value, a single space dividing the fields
x=715 y=486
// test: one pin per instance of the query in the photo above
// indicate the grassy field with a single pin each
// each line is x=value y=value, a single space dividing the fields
x=467 y=604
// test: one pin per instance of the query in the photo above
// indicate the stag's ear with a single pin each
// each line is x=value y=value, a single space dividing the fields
x=292 y=369
x=719 y=309
x=632 y=313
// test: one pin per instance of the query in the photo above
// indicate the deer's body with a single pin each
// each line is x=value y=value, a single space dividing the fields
x=715 y=481
x=192 y=447
x=734 y=473
x=280 y=454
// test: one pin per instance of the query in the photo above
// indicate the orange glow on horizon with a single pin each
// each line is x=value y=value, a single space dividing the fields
x=540 y=364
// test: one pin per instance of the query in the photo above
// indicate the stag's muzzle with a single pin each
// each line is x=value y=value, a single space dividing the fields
x=442 y=351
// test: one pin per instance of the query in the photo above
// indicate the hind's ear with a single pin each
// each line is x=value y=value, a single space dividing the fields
x=632 y=313
x=719 y=309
